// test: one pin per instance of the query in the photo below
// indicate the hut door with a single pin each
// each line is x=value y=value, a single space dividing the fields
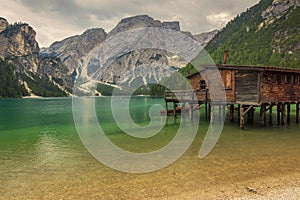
x=247 y=86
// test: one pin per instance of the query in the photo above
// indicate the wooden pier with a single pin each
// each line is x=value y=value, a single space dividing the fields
x=247 y=88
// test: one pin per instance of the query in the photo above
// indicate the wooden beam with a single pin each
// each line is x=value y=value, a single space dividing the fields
x=247 y=110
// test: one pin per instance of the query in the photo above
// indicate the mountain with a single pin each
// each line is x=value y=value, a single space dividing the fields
x=27 y=70
x=72 y=49
x=21 y=64
x=266 y=34
x=131 y=68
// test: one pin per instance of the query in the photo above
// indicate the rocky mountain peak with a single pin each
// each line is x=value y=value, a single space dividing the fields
x=70 y=50
x=204 y=38
x=18 y=40
x=141 y=21
x=278 y=9
x=3 y=24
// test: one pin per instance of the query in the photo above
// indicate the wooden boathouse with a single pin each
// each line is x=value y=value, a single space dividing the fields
x=246 y=87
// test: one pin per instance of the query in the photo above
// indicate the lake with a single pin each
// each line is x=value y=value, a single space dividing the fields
x=42 y=156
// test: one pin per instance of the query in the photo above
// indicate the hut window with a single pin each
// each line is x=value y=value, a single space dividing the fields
x=279 y=79
x=286 y=78
x=202 y=85
x=274 y=78
x=293 y=78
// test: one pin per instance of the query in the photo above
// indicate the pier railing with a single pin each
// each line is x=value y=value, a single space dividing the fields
x=185 y=95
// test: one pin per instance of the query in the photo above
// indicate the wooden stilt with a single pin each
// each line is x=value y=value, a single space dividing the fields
x=278 y=113
x=174 y=109
x=231 y=112
x=262 y=115
x=249 y=117
x=288 y=120
x=252 y=115
x=190 y=110
x=242 y=119
x=167 y=106
x=283 y=114
x=206 y=110
x=239 y=113
x=211 y=113
x=297 y=113
x=220 y=112
x=270 y=114
x=224 y=112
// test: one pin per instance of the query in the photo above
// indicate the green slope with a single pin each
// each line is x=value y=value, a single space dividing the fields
x=275 y=44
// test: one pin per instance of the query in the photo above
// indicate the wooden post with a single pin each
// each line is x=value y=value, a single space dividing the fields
x=297 y=113
x=278 y=113
x=252 y=115
x=220 y=112
x=242 y=119
x=270 y=114
x=206 y=110
x=239 y=113
x=167 y=106
x=262 y=115
x=224 y=112
x=249 y=117
x=174 y=108
x=283 y=114
x=211 y=113
x=231 y=112
x=288 y=113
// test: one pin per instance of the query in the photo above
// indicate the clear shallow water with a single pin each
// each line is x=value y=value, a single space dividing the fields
x=41 y=155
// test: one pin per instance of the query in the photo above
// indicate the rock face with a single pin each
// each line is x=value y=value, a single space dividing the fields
x=278 y=9
x=146 y=65
x=3 y=24
x=72 y=49
x=18 y=41
x=204 y=38
x=57 y=72
x=142 y=21
x=19 y=47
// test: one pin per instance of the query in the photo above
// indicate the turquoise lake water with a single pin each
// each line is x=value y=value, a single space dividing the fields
x=42 y=156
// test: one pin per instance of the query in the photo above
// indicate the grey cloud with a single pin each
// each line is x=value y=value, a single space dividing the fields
x=192 y=14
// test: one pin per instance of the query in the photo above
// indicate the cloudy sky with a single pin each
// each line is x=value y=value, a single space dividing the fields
x=57 y=19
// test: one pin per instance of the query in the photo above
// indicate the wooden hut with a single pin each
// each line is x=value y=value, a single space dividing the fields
x=247 y=87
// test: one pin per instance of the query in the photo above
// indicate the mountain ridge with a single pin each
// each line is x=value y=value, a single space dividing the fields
x=266 y=34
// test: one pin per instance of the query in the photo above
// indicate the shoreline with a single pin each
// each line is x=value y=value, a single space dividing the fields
x=261 y=188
